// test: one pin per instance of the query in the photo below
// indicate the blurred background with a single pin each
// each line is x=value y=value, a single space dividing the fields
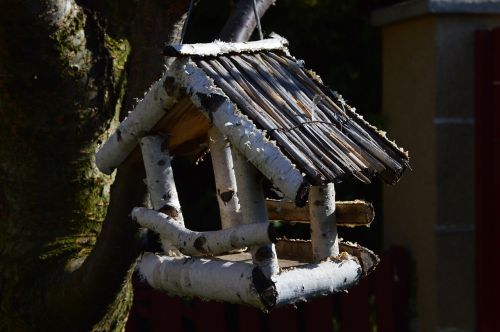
x=426 y=72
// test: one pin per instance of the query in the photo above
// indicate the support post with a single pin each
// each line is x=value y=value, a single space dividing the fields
x=254 y=210
x=323 y=224
x=225 y=179
x=161 y=185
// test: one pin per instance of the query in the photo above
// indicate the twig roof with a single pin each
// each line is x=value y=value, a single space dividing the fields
x=294 y=129
x=314 y=127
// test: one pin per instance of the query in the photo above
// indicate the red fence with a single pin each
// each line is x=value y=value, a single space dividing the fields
x=487 y=179
x=381 y=300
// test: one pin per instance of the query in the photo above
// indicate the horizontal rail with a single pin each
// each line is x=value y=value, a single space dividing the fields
x=348 y=213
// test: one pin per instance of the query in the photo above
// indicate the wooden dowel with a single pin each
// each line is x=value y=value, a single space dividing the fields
x=349 y=213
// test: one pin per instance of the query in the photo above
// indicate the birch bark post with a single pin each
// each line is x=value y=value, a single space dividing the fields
x=161 y=184
x=323 y=225
x=254 y=210
x=225 y=179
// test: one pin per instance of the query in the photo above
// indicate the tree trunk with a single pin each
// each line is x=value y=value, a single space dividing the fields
x=62 y=82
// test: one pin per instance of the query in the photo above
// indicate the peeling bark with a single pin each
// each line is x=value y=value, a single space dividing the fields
x=225 y=179
x=253 y=210
x=242 y=283
x=202 y=243
x=161 y=184
x=323 y=224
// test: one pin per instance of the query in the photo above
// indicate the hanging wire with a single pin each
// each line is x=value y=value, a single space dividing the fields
x=257 y=19
x=184 y=27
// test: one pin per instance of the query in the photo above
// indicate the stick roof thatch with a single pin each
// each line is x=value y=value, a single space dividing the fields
x=271 y=108
x=314 y=126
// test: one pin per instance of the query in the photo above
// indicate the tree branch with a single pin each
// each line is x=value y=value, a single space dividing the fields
x=241 y=22
x=157 y=22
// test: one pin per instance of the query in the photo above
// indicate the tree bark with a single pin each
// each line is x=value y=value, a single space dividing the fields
x=62 y=80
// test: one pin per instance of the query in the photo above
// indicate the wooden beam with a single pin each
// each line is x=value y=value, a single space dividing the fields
x=349 y=213
x=219 y=47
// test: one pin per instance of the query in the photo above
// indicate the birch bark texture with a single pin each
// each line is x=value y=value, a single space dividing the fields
x=145 y=115
x=202 y=278
x=323 y=224
x=202 y=243
x=161 y=184
x=225 y=179
x=254 y=210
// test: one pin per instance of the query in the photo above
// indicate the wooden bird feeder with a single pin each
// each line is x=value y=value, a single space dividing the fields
x=261 y=113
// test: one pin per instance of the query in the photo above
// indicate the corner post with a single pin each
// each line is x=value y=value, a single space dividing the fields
x=254 y=210
x=225 y=179
x=324 y=235
x=160 y=181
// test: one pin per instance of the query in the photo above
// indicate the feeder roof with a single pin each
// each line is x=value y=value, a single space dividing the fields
x=314 y=126
x=315 y=130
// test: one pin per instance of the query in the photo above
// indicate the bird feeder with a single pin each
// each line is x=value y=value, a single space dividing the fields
x=261 y=113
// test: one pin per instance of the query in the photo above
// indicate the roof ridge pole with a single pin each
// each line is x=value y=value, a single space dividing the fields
x=161 y=185
x=254 y=210
x=324 y=236
x=225 y=179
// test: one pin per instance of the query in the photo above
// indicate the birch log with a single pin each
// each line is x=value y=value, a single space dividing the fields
x=142 y=119
x=225 y=179
x=239 y=282
x=161 y=184
x=348 y=213
x=264 y=154
x=219 y=47
x=203 y=243
x=254 y=210
x=323 y=226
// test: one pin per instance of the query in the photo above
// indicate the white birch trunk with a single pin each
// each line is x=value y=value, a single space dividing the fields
x=208 y=279
x=225 y=179
x=254 y=210
x=235 y=282
x=323 y=226
x=142 y=119
x=219 y=47
x=261 y=152
x=161 y=184
x=314 y=280
x=202 y=243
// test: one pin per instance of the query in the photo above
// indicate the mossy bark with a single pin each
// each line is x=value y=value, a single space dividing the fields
x=62 y=81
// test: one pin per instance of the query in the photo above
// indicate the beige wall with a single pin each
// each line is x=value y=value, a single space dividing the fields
x=428 y=99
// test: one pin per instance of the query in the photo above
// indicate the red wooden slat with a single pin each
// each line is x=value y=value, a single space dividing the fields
x=166 y=313
x=318 y=315
x=392 y=291
x=209 y=316
x=487 y=128
x=250 y=319
x=284 y=319
x=355 y=308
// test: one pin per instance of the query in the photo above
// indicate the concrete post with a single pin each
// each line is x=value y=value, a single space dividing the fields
x=428 y=98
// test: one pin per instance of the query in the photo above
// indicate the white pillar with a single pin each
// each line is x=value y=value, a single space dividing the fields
x=323 y=224
x=254 y=210
x=225 y=179
x=160 y=181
